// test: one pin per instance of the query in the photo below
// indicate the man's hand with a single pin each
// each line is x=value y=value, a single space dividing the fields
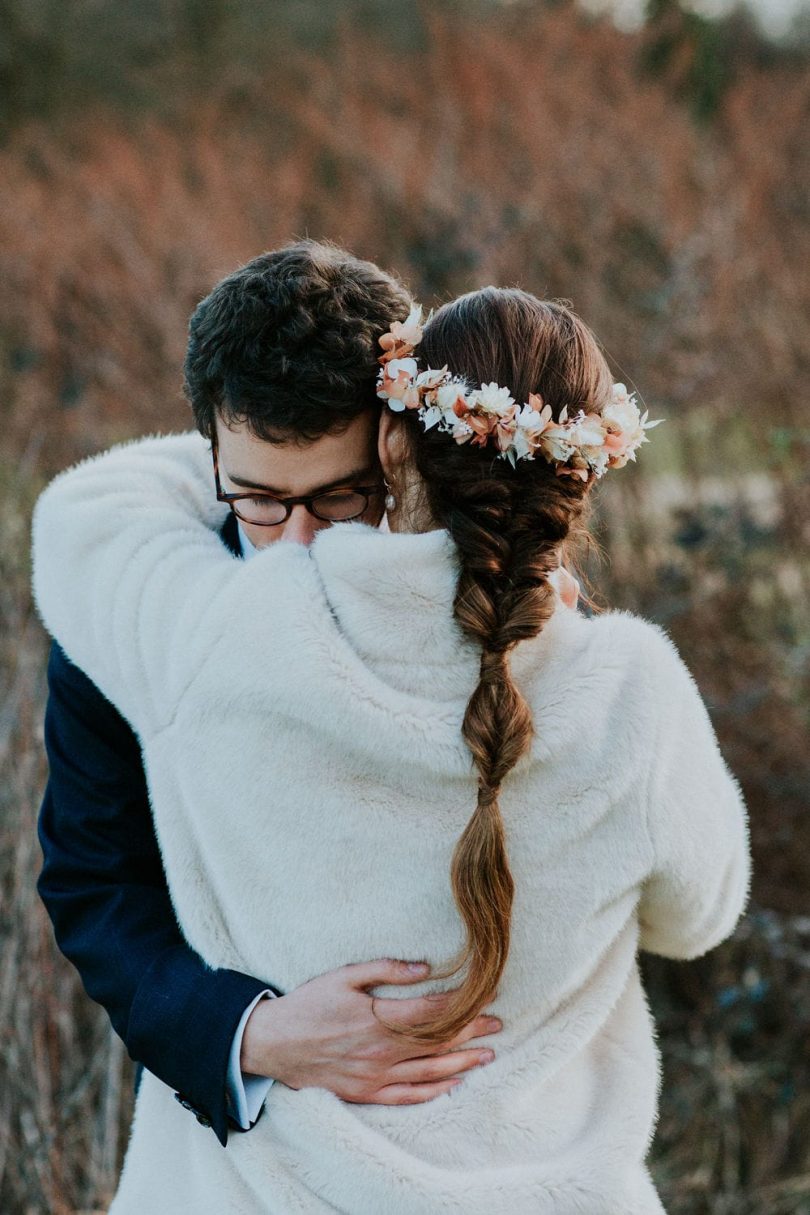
x=324 y=1034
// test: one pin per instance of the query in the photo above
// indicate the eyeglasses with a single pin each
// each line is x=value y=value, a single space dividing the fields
x=266 y=510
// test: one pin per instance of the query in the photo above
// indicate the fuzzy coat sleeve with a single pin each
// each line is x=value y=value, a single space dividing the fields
x=696 y=819
x=129 y=572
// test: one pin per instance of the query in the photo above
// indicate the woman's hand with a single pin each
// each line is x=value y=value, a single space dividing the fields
x=324 y=1034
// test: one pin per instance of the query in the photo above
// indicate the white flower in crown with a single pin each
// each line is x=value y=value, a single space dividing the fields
x=490 y=398
x=529 y=424
x=530 y=421
x=621 y=412
x=594 y=460
x=448 y=395
x=460 y=430
x=431 y=415
x=555 y=439
x=397 y=383
x=402 y=335
x=398 y=367
x=409 y=330
x=588 y=437
x=534 y=417
x=430 y=379
x=621 y=396
x=625 y=426
x=585 y=430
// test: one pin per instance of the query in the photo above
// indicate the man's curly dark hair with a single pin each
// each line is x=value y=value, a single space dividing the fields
x=287 y=344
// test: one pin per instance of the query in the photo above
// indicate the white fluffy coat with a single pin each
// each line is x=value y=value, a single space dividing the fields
x=300 y=720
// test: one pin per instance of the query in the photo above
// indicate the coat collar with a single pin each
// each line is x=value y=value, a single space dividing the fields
x=229 y=533
x=392 y=595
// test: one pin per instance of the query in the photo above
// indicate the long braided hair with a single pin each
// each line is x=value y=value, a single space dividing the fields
x=508 y=525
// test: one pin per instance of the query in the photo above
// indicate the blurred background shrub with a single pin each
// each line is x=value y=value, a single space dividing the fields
x=656 y=176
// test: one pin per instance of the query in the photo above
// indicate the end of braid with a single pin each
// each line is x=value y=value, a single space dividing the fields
x=482 y=882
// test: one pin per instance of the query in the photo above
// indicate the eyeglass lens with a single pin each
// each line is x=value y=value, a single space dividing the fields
x=335 y=507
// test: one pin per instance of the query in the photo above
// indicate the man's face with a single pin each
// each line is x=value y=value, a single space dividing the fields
x=291 y=470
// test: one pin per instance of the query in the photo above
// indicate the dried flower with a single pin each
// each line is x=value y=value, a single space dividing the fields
x=584 y=445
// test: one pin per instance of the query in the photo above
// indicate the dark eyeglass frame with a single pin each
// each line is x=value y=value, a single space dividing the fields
x=307 y=500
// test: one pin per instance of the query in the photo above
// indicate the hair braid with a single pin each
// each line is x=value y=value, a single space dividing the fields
x=503 y=597
x=508 y=525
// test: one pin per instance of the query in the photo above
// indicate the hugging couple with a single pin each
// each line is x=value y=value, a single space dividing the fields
x=355 y=822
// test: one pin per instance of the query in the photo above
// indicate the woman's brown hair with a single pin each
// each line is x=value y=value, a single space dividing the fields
x=508 y=525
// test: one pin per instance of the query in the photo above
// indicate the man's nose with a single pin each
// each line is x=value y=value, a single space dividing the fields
x=302 y=525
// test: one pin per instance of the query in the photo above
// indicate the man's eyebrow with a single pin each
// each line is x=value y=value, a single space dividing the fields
x=354 y=477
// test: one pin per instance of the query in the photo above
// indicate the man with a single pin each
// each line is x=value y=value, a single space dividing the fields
x=281 y=375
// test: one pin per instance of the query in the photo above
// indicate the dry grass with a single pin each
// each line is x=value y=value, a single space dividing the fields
x=538 y=153
x=64 y=1088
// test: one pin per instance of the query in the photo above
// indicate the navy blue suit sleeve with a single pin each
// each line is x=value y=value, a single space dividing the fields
x=104 y=887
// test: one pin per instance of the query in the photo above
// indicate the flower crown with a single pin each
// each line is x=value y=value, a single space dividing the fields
x=577 y=446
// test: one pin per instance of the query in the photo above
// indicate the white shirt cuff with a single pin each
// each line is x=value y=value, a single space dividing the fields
x=245 y=1092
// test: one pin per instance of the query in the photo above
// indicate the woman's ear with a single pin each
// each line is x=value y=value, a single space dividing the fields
x=392 y=443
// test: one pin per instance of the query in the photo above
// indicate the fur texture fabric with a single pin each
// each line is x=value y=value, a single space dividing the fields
x=300 y=717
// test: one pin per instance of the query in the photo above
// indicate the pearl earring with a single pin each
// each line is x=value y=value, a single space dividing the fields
x=390 y=500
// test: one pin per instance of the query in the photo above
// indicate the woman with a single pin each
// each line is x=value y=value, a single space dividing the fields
x=447 y=758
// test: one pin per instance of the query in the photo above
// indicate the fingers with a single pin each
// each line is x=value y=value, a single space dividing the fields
x=480 y=1027
x=411 y=1094
x=416 y=1009
x=410 y=1011
x=385 y=970
x=432 y=1068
